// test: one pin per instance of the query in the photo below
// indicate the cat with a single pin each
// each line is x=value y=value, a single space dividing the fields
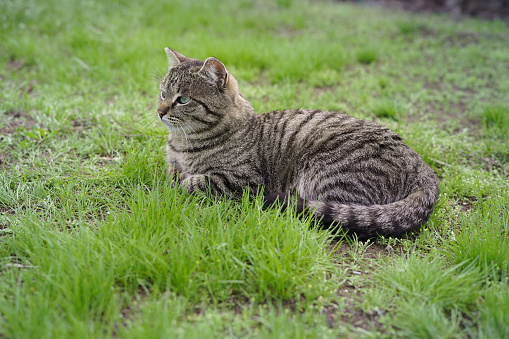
x=341 y=169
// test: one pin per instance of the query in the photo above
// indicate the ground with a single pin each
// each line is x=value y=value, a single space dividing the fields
x=488 y=10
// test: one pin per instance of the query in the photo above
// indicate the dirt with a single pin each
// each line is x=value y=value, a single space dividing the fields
x=16 y=64
x=466 y=204
x=469 y=203
x=107 y=159
x=456 y=114
x=482 y=9
x=371 y=251
x=350 y=313
x=16 y=119
x=80 y=125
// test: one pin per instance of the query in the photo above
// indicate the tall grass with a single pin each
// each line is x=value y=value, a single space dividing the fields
x=482 y=239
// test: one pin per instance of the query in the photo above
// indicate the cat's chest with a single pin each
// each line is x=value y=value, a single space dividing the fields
x=196 y=162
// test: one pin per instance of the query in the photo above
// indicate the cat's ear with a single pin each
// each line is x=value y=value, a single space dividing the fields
x=174 y=57
x=215 y=70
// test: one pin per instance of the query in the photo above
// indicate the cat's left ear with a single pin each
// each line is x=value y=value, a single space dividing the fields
x=174 y=57
x=215 y=70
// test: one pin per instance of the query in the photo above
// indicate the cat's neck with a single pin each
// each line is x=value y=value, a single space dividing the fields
x=241 y=110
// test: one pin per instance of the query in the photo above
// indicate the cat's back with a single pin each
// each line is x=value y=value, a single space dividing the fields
x=322 y=131
x=312 y=151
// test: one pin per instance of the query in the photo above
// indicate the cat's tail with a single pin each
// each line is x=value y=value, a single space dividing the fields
x=366 y=222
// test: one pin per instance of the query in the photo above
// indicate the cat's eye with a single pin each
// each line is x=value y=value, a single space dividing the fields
x=163 y=94
x=183 y=100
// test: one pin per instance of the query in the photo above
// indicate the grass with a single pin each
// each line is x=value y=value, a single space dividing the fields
x=496 y=118
x=367 y=56
x=482 y=239
x=95 y=242
x=388 y=108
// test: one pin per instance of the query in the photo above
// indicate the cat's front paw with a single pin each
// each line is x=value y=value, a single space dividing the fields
x=194 y=183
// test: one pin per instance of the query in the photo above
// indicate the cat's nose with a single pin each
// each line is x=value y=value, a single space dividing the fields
x=163 y=109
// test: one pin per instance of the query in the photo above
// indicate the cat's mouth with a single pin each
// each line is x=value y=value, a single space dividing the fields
x=171 y=122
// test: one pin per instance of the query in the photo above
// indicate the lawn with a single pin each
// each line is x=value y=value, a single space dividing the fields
x=95 y=242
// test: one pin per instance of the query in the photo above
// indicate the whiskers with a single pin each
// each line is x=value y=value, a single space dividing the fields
x=158 y=77
x=191 y=129
x=185 y=135
x=178 y=129
x=148 y=120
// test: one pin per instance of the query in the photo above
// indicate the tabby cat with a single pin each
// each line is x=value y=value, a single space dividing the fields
x=342 y=169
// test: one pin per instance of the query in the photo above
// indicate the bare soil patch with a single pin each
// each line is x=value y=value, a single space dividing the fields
x=82 y=124
x=350 y=312
x=16 y=64
x=16 y=119
x=483 y=9
x=5 y=224
x=471 y=125
x=468 y=203
x=371 y=251
x=3 y=158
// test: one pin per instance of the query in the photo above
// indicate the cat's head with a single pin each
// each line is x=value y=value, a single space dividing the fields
x=196 y=96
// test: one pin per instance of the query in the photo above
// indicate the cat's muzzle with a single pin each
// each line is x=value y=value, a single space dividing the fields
x=163 y=109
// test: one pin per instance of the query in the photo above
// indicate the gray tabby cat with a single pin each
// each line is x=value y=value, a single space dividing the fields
x=344 y=170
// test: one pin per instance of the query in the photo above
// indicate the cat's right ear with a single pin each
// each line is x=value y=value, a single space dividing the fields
x=174 y=57
x=216 y=71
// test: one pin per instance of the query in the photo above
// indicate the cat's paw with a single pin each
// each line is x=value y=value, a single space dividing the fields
x=193 y=183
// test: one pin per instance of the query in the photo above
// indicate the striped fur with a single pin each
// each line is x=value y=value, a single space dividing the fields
x=344 y=170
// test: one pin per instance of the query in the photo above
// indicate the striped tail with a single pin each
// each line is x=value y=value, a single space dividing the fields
x=393 y=219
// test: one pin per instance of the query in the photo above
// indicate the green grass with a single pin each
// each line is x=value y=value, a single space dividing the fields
x=95 y=242
x=367 y=56
x=496 y=119
x=388 y=108
x=482 y=239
